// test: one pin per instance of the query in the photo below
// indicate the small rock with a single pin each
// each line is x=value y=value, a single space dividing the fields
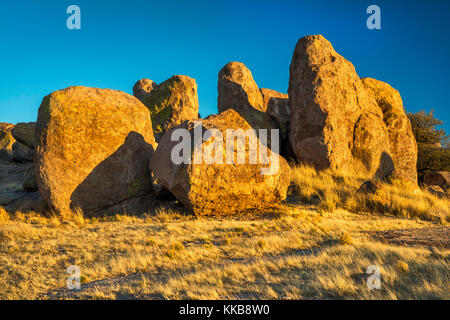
x=25 y=134
x=370 y=187
x=143 y=87
x=437 y=191
x=437 y=178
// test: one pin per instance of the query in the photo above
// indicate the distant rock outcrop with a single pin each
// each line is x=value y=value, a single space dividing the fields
x=335 y=122
x=6 y=141
x=403 y=145
x=143 y=87
x=172 y=102
x=25 y=134
x=22 y=153
x=219 y=188
x=93 y=150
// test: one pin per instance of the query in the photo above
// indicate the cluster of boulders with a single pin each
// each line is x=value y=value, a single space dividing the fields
x=105 y=151
x=18 y=186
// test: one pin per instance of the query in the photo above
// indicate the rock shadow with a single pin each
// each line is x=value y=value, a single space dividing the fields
x=124 y=175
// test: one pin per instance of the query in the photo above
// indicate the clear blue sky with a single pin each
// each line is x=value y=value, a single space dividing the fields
x=123 y=41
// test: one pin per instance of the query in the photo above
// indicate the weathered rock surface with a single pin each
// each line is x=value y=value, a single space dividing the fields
x=216 y=188
x=22 y=153
x=93 y=150
x=437 y=178
x=335 y=122
x=143 y=87
x=276 y=105
x=238 y=91
x=172 y=102
x=25 y=134
x=6 y=141
x=403 y=145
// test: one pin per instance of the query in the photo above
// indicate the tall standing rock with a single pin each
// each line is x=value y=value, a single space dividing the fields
x=335 y=122
x=172 y=102
x=93 y=150
x=402 y=141
x=143 y=87
x=238 y=91
x=220 y=186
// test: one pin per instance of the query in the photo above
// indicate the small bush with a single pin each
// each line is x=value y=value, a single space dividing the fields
x=4 y=216
x=402 y=266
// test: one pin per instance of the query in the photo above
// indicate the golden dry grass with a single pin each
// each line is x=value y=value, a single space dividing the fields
x=292 y=251
x=329 y=190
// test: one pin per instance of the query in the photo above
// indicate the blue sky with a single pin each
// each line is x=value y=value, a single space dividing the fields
x=123 y=41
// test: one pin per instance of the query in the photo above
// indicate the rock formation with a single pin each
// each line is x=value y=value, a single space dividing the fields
x=93 y=150
x=335 y=122
x=438 y=178
x=219 y=188
x=172 y=102
x=6 y=141
x=276 y=105
x=403 y=145
x=143 y=87
x=237 y=90
x=25 y=134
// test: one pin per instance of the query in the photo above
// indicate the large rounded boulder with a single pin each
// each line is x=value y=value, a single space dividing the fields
x=212 y=169
x=335 y=122
x=172 y=102
x=93 y=149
